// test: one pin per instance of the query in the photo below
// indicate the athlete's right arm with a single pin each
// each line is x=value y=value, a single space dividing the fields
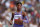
x=12 y=18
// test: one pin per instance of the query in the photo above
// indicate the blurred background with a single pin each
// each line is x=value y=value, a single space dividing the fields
x=31 y=7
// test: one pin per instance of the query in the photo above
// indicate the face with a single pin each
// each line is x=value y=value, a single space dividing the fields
x=19 y=6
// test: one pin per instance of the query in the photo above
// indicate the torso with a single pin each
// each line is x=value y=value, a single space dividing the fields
x=17 y=19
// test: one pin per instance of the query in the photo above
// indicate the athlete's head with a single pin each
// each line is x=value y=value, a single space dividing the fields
x=19 y=5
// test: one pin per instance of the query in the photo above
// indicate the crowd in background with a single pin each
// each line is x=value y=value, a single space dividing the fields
x=31 y=7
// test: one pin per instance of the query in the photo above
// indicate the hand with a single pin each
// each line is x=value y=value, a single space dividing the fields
x=11 y=22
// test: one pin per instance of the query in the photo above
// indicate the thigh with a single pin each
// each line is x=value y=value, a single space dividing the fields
x=0 y=25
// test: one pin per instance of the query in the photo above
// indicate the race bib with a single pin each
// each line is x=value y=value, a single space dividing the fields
x=18 y=19
x=17 y=16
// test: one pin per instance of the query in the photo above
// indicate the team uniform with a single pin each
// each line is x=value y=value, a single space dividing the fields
x=17 y=19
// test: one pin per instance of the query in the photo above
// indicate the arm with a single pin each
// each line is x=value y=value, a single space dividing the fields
x=25 y=17
x=12 y=18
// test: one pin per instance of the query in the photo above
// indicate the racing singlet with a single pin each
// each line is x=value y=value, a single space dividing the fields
x=18 y=19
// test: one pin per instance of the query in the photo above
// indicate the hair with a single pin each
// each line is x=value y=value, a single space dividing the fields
x=18 y=3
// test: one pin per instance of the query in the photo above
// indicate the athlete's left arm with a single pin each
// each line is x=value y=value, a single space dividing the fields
x=25 y=16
